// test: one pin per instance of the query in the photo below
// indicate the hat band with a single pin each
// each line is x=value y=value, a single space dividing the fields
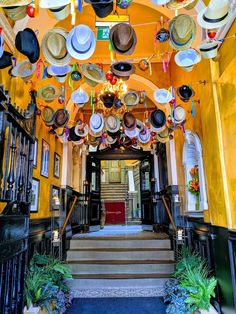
x=178 y=44
x=209 y=49
x=57 y=9
x=206 y=19
x=81 y=52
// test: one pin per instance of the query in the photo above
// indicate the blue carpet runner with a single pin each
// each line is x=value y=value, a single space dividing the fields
x=117 y=306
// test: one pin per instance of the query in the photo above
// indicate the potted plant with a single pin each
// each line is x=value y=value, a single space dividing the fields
x=193 y=185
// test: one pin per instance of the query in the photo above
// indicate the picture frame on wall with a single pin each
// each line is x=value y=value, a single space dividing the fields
x=45 y=159
x=57 y=164
x=35 y=160
x=35 y=195
x=55 y=198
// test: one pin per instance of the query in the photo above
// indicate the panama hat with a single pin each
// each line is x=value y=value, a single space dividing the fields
x=61 y=118
x=48 y=93
x=185 y=92
x=24 y=69
x=59 y=71
x=129 y=121
x=6 y=60
x=191 y=5
x=123 y=38
x=96 y=122
x=60 y=13
x=81 y=42
x=122 y=70
x=162 y=96
x=144 y=136
x=215 y=15
x=79 y=97
x=93 y=74
x=186 y=59
x=208 y=50
x=48 y=4
x=182 y=30
x=163 y=136
x=108 y=99
x=160 y=2
x=54 y=47
x=176 y=4
x=179 y=115
x=102 y=8
x=132 y=133
x=112 y=123
x=130 y=99
x=26 y=42
x=14 y=3
x=158 y=120
x=16 y=13
x=82 y=132
x=47 y=115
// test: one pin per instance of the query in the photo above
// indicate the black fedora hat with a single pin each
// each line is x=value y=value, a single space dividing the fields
x=185 y=92
x=27 y=43
x=5 y=60
x=122 y=70
x=158 y=120
x=72 y=135
x=102 y=8
x=108 y=99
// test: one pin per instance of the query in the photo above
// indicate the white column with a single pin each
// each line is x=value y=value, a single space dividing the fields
x=84 y=163
x=171 y=163
x=156 y=173
x=67 y=165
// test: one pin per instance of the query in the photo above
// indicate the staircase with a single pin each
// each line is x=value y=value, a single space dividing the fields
x=113 y=191
x=120 y=266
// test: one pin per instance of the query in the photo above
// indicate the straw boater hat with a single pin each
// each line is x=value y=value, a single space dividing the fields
x=122 y=70
x=182 y=32
x=215 y=15
x=81 y=42
x=96 y=123
x=54 y=47
x=59 y=71
x=130 y=99
x=191 y=5
x=123 y=39
x=79 y=97
x=179 y=115
x=48 y=93
x=163 y=136
x=176 y=4
x=129 y=121
x=48 y=4
x=162 y=96
x=93 y=74
x=186 y=59
x=47 y=115
x=102 y=8
x=158 y=120
x=144 y=136
x=24 y=69
x=209 y=50
x=112 y=123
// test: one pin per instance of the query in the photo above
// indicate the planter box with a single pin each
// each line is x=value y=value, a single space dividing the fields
x=211 y=311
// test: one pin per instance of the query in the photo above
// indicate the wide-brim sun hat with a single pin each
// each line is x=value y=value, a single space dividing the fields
x=14 y=3
x=54 y=47
x=79 y=97
x=130 y=99
x=47 y=115
x=122 y=70
x=144 y=136
x=59 y=71
x=96 y=122
x=208 y=50
x=186 y=59
x=132 y=134
x=129 y=121
x=93 y=74
x=179 y=115
x=81 y=42
x=176 y=4
x=158 y=120
x=102 y=8
x=163 y=136
x=48 y=93
x=82 y=132
x=215 y=15
x=112 y=123
x=162 y=96
x=48 y=4
x=60 y=13
x=24 y=69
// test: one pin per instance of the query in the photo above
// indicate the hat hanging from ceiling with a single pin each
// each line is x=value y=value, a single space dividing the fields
x=162 y=96
x=96 y=122
x=81 y=42
x=215 y=15
x=54 y=47
x=60 y=13
x=48 y=93
x=112 y=123
x=129 y=121
x=16 y=13
x=130 y=99
x=160 y=2
x=60 y=72
x=208 y=50
x=47 y=115
x=192 y=5
x=48 y=4
x=123 y=4
x=123 y=38
x=182 y=30
x=79 y=97
x=61 y=118
x=122 y=70
x=108 y=99
x=6 y=60
x=179 y=114
x=110 y=140
x=144 y=136
x=73 y=137
x=178 y=4
x=102 y=8
x=26 y=42
x=132 y=133
x=81 y=131
x=158 y=120
x=186 y=59
x=185 y=92
x=24 y=69
x=163 y=136
x=93 y=74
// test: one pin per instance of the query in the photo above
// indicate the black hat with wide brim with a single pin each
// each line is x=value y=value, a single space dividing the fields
x=185 y=92
x=72 y=135
x=6 y=60
x=108 y=99
x=102 y=8
x=27 y=43
x=122 y=70
x=158 y=119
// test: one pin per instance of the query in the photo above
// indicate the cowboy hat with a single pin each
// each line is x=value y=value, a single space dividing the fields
x=14 y=3
x=81 y=42
x=48 y=4
x=96 y=122
x=182 y=32
x=186 y=59
x=179 y=115
x=123 y=38
x=209 y=50
x=158 y=120
x=79 y=97
x=163 y=136
x=132 y=133
x=176 y=4
x=6 y=60
x=48 y=93
x=26 y=42
x=162 y=96
x=144 y=136
x=122 y=70
x=185 y=92
x=54 y=47
x=93 y=74
x=102 y=8
x=215 y=15
x=61 y=118
x=47 y=115
x=82 y=132
x=112 y=123
x=129 y=121
x=24 y=69
x=59 y=71
x=60 y=13
x=108 y=99
x=130 y=99
x=16 y=13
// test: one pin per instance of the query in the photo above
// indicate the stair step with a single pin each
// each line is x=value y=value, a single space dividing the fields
x=119 y=262
x=122 y=276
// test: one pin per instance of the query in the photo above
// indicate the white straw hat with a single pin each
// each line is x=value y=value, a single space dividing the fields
x=112 y=123
x=186 y=59
x=81 y=132
x=96 y=122
x=160 y=2
x=162 y=96
x=144 y=136
x=132 y=133
x=209 y=50
x=48 y=4
x=179 y=115
x=24 y=69
x=60 y=13
x=60 y=72
x=79 y=97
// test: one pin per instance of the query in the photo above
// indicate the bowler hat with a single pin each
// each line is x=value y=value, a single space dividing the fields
x=122 y=70
x=123 y=38
x=5 y=60
x=102 y=8
x=185 y=92
x=158 y=120
x=108 y=99
x=27 y=43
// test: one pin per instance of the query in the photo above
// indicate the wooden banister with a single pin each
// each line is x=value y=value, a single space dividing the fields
x=68 y=216
x=169 y=213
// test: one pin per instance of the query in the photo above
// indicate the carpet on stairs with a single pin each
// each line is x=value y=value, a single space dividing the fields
x=118 y=306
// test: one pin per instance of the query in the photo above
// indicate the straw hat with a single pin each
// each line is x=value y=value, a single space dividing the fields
x=16 y=13
x=208 y=50
x=179 y=115
x=215 y=15
x=102 y=8
x=48 y=93
x=175 y=4
x=162 y=96
x=81 y=42
x=14 y=3
x=144 y=136
x=163 y=136
x=82 y=132
x=122 y=70
x=96 y=122
x=123 y=38
x=26 y=42
x=48 y=4
x=186 y=59
x=79 y=97
x=129 y=121
x=158 y=120
x=130 y=99
x=93 y=74
x=182 y=32
x=60 y=72
x=54 y=47
x=47 y=115
x=60 y=13
x=112 y=123
x=191 y=5
x=24 y=69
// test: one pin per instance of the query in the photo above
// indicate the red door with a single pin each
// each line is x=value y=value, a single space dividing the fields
x=115 y=213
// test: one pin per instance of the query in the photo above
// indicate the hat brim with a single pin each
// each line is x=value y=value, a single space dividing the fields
x=50 y=99
x=47 y=4
x=147 y=139
x=212 y=25
x=60 y=13
x=15 y=70
x=208 y=50
x=122 y=74
x=84 y=131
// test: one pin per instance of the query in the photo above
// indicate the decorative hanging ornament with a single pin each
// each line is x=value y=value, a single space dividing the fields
x=211 y=33
x=109 y=76
x=113 y=81
x=30 y=10
x=123 y=4
x=163 y=34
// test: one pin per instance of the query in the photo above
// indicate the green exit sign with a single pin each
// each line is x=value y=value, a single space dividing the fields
x=103 y=32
